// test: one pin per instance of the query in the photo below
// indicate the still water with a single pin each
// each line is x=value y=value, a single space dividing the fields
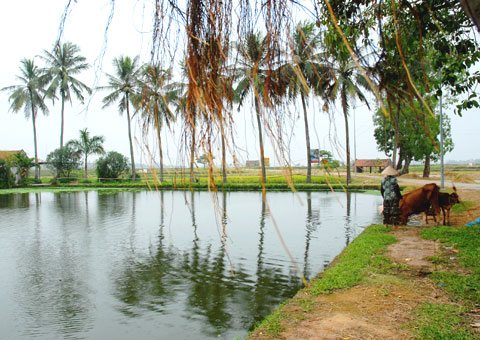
x=163 y=265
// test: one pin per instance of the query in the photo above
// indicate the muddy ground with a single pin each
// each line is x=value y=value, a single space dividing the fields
x=381 y=307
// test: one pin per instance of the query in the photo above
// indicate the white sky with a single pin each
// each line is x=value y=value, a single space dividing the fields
x=30 y=26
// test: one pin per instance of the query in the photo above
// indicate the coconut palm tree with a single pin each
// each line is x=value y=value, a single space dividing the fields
x=154 y=100
x=307 y=71
x=63 y=64
x=87 y=146
x=124 y=87
x=347 y=85
x=29 y=95
x=251 y=75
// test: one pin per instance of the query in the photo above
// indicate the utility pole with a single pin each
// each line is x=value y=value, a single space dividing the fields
x=442 y=168
x=354 y=137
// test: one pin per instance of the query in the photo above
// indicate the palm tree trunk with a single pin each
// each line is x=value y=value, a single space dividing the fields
x=224 y=153
x=160 y=151
x=37 y=167
x=134 y=174
x=347 y=134
x=192 y=151
x=85 y=166
x=34 y=119
x=307 y=138
x=263 y=178
x=62 y=124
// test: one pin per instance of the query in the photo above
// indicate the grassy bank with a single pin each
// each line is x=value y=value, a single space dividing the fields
x=235 y=183
x=363 y=263
x=363 y=256
x=463 y=285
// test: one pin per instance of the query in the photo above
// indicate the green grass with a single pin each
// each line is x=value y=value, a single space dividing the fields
x=272 y=324
x=440 y=321
x=462 y=286
x=361 y=257
x=235 y=183
x=463 y=206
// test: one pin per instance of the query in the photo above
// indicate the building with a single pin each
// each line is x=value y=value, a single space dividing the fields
x=5 y=154
x=256 y=163
x=366 y=165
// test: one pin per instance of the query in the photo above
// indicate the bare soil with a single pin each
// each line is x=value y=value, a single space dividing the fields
x=383 y=306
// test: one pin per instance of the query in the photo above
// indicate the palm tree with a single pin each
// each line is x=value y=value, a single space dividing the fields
x=63 y=64
x=154 y=100
x=305 y=72
x=252 y=73
x=87 y=146
x=347 y=85
x=123 y=87
x=29 y=94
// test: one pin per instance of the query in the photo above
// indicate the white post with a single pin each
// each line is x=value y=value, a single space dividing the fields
x=354 y=137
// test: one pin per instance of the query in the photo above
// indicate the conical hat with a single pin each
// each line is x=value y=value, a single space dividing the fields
x=390 y=171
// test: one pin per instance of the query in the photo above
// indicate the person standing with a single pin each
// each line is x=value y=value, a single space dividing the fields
x=391 y=196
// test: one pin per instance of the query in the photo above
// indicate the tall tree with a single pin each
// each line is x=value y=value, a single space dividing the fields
x=347 y=86
x=63 y=64
x=252 y=75
x=307 y=71
x=154 y=99
x=86 y=146
x=123 y=85
x=29 y=95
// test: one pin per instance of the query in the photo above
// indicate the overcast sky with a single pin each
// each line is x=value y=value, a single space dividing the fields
x=30 y=26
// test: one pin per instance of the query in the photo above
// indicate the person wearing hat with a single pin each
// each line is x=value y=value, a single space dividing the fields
x=391 y=196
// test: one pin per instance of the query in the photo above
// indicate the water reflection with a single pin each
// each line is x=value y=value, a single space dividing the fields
x=90 y=265
x=15 y=201
x=50 y=285
x=348 y=219
x=311 y=225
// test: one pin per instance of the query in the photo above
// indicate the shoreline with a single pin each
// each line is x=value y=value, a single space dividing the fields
x=392 y=282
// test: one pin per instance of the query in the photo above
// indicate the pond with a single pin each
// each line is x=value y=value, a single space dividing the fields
x=159 y=265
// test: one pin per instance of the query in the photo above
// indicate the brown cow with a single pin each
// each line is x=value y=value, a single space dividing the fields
x=445 y=201
x=418 y=201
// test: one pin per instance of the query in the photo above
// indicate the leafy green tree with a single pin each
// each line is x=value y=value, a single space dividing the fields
x=203 y=159
x=22 y=162
x=419 y=136
x=29 y=95
x=155 y=98
x=405 y=29
x=327 y=161
x=63 y=161
x=63 y=64
x=6 y=176
x=124 y=87
x=112 y=165
x=86 y=146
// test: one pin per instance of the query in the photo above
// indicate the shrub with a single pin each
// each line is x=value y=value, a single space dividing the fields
x=23 y=163
x=63 y=161
x=112 y=165
x=6 y=176
x=138 y=176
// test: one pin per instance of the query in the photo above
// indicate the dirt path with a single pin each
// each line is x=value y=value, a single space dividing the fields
x=381 y=307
